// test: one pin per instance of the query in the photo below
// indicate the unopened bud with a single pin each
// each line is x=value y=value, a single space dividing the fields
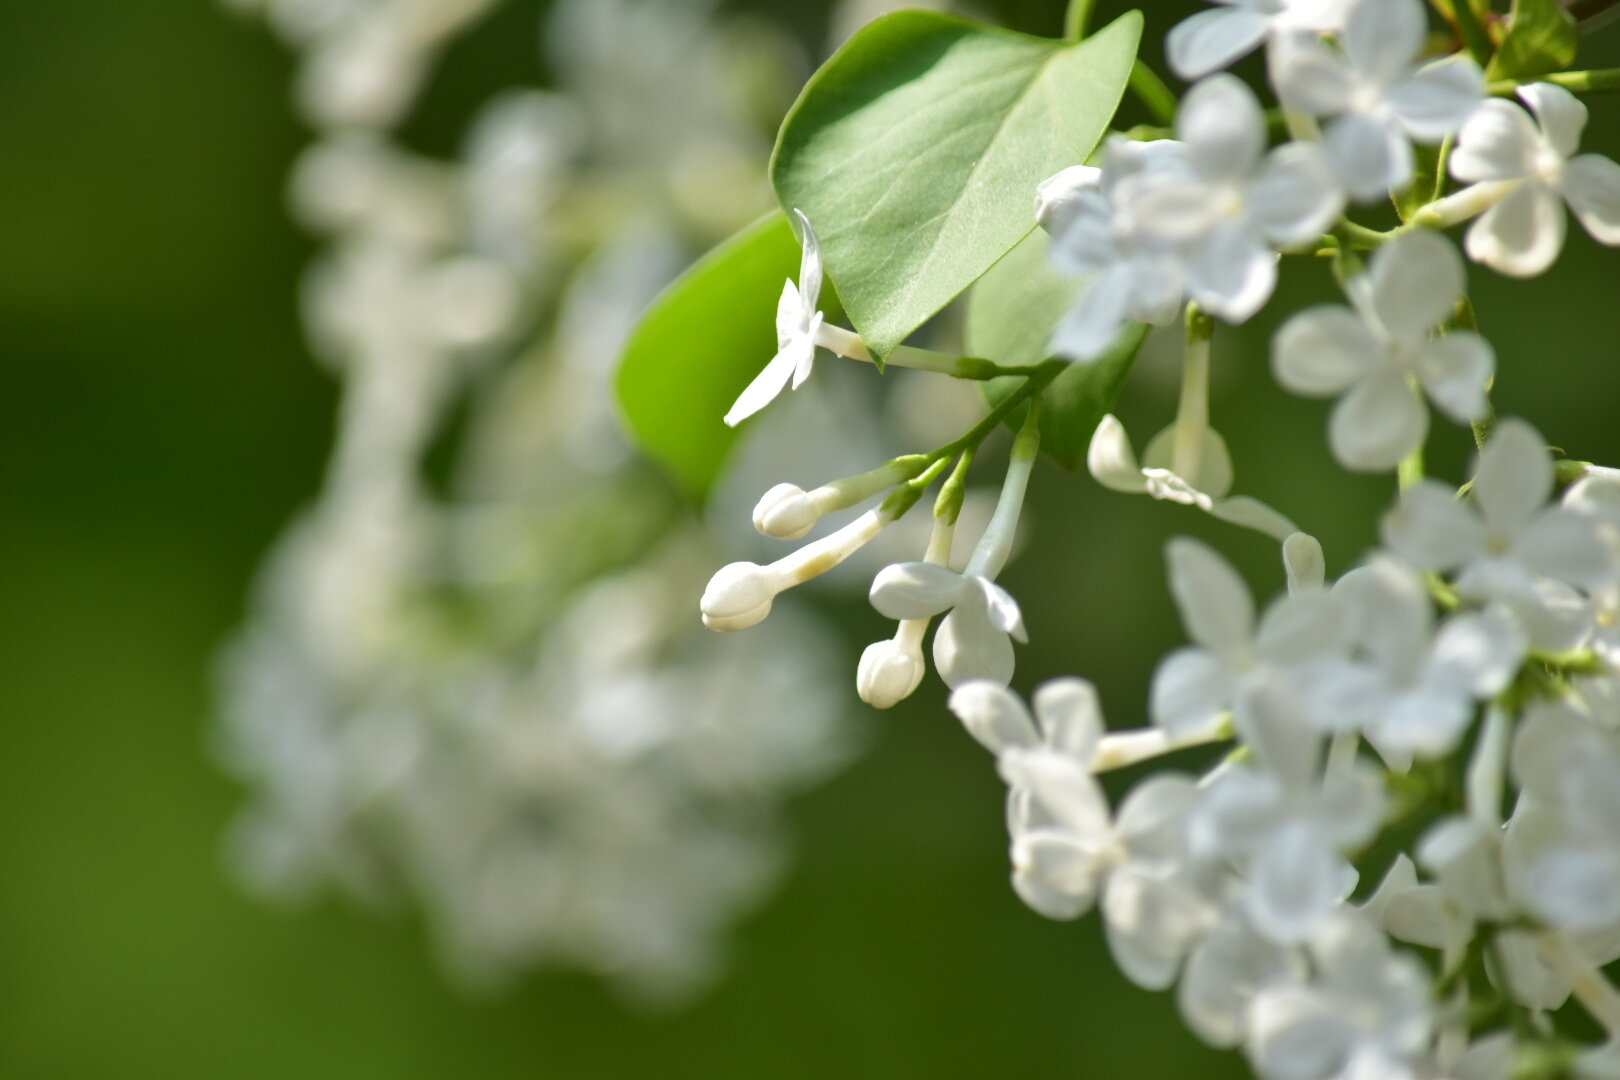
x=738 y=596
x=889 y=673
x=785 y=512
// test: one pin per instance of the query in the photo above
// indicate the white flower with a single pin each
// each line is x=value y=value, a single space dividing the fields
x=1508 y=545
x=975 y=640
x=1523 y=234
x=1233 y=658
x=1211 y=40
x=1224 y=973
x=1365 y=1014
x=1287 y=830
x=798 y=321
x=1132 y=278
x=1381 y=100
x=1112 y=463
x=1412 y=692
x=1236 y=204
x=1369 y=353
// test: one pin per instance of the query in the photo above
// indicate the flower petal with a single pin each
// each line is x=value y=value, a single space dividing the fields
x=1214 y=601
x=1211 y=40
x=1497 y=142
x=1323 y=351
x=1383 y=37
x=1370 y=156
x=1377 y=423
x=1294 y=884
x=967 y=646
x=1592 y=187
x=1431 y=529
x=915 y=590
x=1414 y=282
x=1439 y=99
x=994 y=716
x=1063 y=787
x=1002 y=609
x=1250 y=513
x=1223 y=127
x=1514 y=478
x=1096 y=320
x=1110 y=459
x=1560 y=113
x=1310 y=76
x=1567 y=546
x=1232 y=274
x=1055 y=874
x=1214 y=474
x=1294 y=198
x=1071 y=720
x=771 y=381
x=1455 y=372
x=809 y=263
x=1191 y=691
x=1521 y=235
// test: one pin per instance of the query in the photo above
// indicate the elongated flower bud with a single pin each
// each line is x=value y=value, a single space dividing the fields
x=738 y=596
x=890 y=671
x=785 y=512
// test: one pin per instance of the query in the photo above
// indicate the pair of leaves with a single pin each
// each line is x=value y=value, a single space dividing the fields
x=915 y=153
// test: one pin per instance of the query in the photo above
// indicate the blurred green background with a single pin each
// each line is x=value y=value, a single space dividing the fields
x=160 y=421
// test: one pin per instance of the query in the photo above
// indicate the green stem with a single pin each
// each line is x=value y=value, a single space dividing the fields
x=1034 y=384
x=1078 y=19
x=848 y=344
x=1597 y=81
x=948 y=506
x=1192 y=410
x=1151 y=90
x=1410 y=471
x=1474 y=35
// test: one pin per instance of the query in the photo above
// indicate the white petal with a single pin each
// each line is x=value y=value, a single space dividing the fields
x=1439 y=99
x=1497 y=142
x=1214 y=475
x=1191 y=689
x=1057 y=198
x=1431 y=529
x=1351 y=806
x=1054 y=874
x=1389 y=612
x=1303 y=562
x=1211 y=40
x=915 y=590
x=1223 y=127
x=1294 y=198
x=805 y=361
x=771 y=380
x=1152 y=920
x=1294 y=885
x=1578 y=888
x=1002 y=609
x=967 y=646
x=1152 y=820
x=1567 y=546
x=1323 y=351
x=1378 y=422
x=1480 y=650
x=1514 y=478
x=1300 y=627
x=1250 y=513
x=1222 y=977
x=809 y=263
x=1592 y=186
x=994 y=716
x=1370 y=156
x=1456 y=371
x=1561 y=114
x=1271 y=718
x=1521 y=235
x=1214 y=601
x=1232 y=275
x=1097 y=318
x=1111 y=460
x=1310 y=76
x=1382 y=37
x=1064 y=789
x=1071 y=720
x=1414 y=283
x=791 y=316
x=1236 y=813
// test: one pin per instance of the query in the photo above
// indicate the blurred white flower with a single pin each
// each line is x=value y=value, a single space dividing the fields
x=974 y=640
x=1213 y=39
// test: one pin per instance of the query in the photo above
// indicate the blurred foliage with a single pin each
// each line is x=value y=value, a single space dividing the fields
x=160 y=421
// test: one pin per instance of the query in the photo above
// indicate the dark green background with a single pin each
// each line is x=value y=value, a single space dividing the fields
x=160 y=420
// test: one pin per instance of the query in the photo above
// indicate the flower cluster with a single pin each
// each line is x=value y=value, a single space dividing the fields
x=1408 y=853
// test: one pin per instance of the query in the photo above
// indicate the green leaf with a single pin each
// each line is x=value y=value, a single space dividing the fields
x=1541 y=37
x=699 y=344
x=1011 y=314
x=915 y=152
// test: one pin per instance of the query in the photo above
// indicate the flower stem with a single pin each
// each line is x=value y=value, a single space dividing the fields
x=1151 y=90
x=996 y=544
x=1602 y=80
x=848 y=344
x=1192 y=413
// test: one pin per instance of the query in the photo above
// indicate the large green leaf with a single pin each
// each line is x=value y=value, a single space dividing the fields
x=1541 y=37
x=1011 y=314
x=699 y=344
x=915 y=152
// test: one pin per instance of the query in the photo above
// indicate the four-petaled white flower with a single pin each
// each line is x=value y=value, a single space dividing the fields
x=1379 y=97
x=1536 y=164
x=1211 y=40
x=1236 y=205
x=974 y=641
x=1508 y=546
x=1371 y=352
x=798 y=322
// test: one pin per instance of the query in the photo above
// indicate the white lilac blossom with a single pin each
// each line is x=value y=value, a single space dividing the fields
x=1235 y=206
x=1380 y=99
x=1371 y=352
x=798 y=320
x=1213 y=39
x=1533 y=168
x=1131 y=277
x=1507 y=544
x=740 y=594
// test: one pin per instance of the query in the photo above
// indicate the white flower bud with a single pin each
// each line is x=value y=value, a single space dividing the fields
x=889 y=673
x=738 y=596
x=785 y=512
